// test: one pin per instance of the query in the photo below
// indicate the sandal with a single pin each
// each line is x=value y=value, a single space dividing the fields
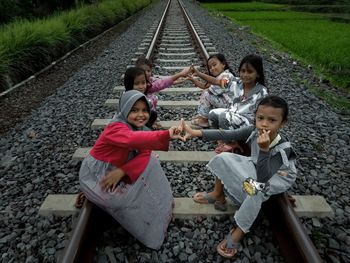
x=79 y=201
x=232 y=147
x=223 y=148
x=203 y=198
x=201 y=122
x=230 y=246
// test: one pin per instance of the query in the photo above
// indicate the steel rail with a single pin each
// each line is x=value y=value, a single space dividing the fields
x=295 y=243
x=157 y=33
x=91 y=223
x=197 y=39
x=296 y=246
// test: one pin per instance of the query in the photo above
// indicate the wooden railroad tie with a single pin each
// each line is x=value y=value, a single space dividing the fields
x=99 y=124
x=184 y=104
x=172 y=91
x=185 y=207
x=170 y=156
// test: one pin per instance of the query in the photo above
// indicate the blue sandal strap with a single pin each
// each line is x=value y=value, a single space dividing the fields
x=230 y=244
x=208 y=198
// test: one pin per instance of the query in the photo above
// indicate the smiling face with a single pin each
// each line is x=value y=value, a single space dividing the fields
x=216 y=67
x=270 y=119
x=138 y=115
x=147 y=70
x=140 y=83
x=248 y=75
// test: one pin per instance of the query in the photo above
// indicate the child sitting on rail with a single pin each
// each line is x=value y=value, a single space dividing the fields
x=217 y=90
x=250 y=180
x=248 y=90
x=123 y=177
x=155 y=84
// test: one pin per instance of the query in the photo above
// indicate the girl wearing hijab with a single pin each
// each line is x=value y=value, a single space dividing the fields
x=123 y=177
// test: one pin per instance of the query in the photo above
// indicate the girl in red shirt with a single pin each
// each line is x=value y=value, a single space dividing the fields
x=123 y=177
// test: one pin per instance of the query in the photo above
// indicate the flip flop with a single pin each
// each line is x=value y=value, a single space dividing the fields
x=203 y=198
x=230 y=244
x=200 y=124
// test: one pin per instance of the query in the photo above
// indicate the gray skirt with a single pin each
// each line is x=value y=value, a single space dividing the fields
x=143 y=208
x=233 y=169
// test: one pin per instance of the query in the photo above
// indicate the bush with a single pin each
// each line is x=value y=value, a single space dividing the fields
x=26 y=46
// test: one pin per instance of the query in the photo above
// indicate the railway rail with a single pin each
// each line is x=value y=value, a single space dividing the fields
x=177 y=36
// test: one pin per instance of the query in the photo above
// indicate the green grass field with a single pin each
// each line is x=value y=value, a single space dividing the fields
x=311 y=37
x=257 y=6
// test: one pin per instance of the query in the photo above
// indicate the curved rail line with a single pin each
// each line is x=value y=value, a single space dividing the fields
x=292 y=238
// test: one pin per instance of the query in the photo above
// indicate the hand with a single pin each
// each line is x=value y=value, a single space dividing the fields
x=176 y=133
x=111 y=180
x=264 y=140
x=180 y=80
x=193 y=69
x=282 y=173
x=189 y=132
x=185 y=71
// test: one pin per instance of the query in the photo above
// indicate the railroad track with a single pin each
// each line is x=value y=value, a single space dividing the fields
x=173 y=44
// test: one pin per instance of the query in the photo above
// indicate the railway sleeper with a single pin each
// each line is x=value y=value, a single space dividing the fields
x=185 y=207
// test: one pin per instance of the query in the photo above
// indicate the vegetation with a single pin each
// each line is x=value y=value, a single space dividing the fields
x=288 y=2
x=246 y=6
x=27 y=46
x=11 y=10
x=311 y=37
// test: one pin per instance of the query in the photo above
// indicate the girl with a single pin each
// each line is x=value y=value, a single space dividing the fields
x=250 y=180
x=135 y=79
x=123 y=177
x=154 y=85
x=216 y=95
x=247 y=91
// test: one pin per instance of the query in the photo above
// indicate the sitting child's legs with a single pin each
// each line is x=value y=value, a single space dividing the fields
x=214 y=117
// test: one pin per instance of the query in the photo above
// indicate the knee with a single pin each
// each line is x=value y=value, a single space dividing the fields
x=213 y=119
x=223 y=122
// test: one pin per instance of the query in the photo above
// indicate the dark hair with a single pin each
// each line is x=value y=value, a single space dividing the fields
x=141 y=61
x=223 y=60
x=256 y=62
x=276 y=102
x=130 y=75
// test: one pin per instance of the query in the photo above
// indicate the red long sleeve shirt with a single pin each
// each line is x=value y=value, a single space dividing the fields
x=118 y=140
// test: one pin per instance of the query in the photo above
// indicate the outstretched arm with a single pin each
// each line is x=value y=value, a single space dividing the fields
x=182 y=73
x=166 y=82
x=206 y=77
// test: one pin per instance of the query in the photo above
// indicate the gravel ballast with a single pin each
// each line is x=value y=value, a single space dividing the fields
x=36 y=153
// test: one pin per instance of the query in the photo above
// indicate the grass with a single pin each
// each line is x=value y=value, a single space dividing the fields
x=310 y=37
x=255 y=6
x=277 y=16
x=27 y=46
